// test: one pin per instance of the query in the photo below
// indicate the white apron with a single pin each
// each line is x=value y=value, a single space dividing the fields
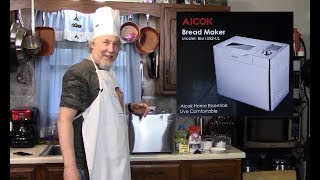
x=105 y=133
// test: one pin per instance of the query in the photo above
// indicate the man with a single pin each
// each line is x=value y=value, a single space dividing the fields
x=92 y=128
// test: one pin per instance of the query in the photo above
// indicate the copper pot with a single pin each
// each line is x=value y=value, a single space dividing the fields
x=129 y=31
x=48 y=40
x=149 y=39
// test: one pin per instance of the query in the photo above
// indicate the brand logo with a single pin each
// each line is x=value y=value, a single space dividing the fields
x=197 y=21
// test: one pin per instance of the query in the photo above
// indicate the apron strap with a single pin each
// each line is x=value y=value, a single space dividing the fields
x=97 y=71
x=100 y=86
x=76 y=117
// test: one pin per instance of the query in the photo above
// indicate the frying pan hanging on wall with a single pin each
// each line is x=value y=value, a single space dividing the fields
x=129 y=31
x=48 y=39
x=149 y=39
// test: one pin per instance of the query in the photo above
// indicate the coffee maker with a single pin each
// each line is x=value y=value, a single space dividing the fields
x=24 y=122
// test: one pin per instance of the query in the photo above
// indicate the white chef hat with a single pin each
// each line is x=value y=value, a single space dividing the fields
x=106 y=21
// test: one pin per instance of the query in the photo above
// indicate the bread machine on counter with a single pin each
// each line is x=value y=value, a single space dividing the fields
x=152 y=134
x=252 y=71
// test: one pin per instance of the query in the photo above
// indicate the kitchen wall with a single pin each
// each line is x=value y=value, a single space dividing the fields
x=22 y=95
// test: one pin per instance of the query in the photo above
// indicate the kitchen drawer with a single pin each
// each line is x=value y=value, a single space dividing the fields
x=49 y=171
x=213 y=170
x=22 y=173
x=155 y=172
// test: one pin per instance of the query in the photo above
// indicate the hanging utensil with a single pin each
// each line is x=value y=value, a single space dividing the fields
x=48 y=38
x=32 y=42
x=129 y=31
x=148 y=40
x=24 y=76
x=157 y=64
x=24 y=17
x=17 y=34
x=141 y=72
x=151 y=64
x=19 y=44
x=13 y=33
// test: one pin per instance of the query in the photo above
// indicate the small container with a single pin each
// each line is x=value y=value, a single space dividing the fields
x=217 y=150
x=51 y=136
x=206 y=143
x=221 y=140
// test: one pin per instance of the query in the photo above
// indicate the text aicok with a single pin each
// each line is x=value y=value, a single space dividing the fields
x=197 y=21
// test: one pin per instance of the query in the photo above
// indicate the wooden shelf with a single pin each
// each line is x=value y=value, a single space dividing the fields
x=87 y=6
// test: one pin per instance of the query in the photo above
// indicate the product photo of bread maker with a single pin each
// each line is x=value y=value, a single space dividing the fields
x=252 y=71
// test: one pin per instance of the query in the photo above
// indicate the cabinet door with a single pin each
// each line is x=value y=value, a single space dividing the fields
x=22 y=173
x=167 y=82
x=155 y=172
x=53 y=171
x=218 y=169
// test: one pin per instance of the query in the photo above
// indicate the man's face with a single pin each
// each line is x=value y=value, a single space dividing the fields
x=105 y=50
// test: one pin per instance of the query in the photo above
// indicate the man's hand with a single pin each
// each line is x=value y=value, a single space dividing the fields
x=140 y=108
x=71 y=173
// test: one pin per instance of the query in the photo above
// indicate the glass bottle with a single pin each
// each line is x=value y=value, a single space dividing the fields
x=181 y=136
x=52 y=134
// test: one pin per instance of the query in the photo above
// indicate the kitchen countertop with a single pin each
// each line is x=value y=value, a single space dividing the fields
x=231 y=153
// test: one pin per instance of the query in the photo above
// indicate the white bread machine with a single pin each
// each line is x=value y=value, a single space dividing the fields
x=252 y=71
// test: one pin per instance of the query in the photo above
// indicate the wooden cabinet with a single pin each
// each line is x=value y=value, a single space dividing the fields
x=218 y=170
x=53 y=171
x=227 y=169
x=23 y=172
x=36 y=172
x=167 y=82
x=155 y=170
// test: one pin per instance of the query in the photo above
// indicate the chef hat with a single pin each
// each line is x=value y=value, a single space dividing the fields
x=106 y=21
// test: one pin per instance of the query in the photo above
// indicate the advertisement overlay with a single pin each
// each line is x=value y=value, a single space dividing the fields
x=234 y=63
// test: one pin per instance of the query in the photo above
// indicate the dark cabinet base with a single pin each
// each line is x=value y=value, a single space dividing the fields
x=226 y=169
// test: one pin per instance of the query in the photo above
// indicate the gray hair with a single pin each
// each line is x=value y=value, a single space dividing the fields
x=90 y=42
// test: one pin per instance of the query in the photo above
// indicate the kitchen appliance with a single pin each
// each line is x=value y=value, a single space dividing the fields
x=152 y=134
x=252 y=71
x=281 y=164
x=272 y=132
x=221 y=125
x=24 y=127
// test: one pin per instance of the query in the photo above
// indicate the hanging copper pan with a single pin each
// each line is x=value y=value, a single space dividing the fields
x=48 y=40
x=149 y=39
x=129 y=31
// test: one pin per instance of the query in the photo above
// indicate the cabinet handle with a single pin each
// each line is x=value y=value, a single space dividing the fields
x=167 y=76
x=215 y=171
x=155 y=173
